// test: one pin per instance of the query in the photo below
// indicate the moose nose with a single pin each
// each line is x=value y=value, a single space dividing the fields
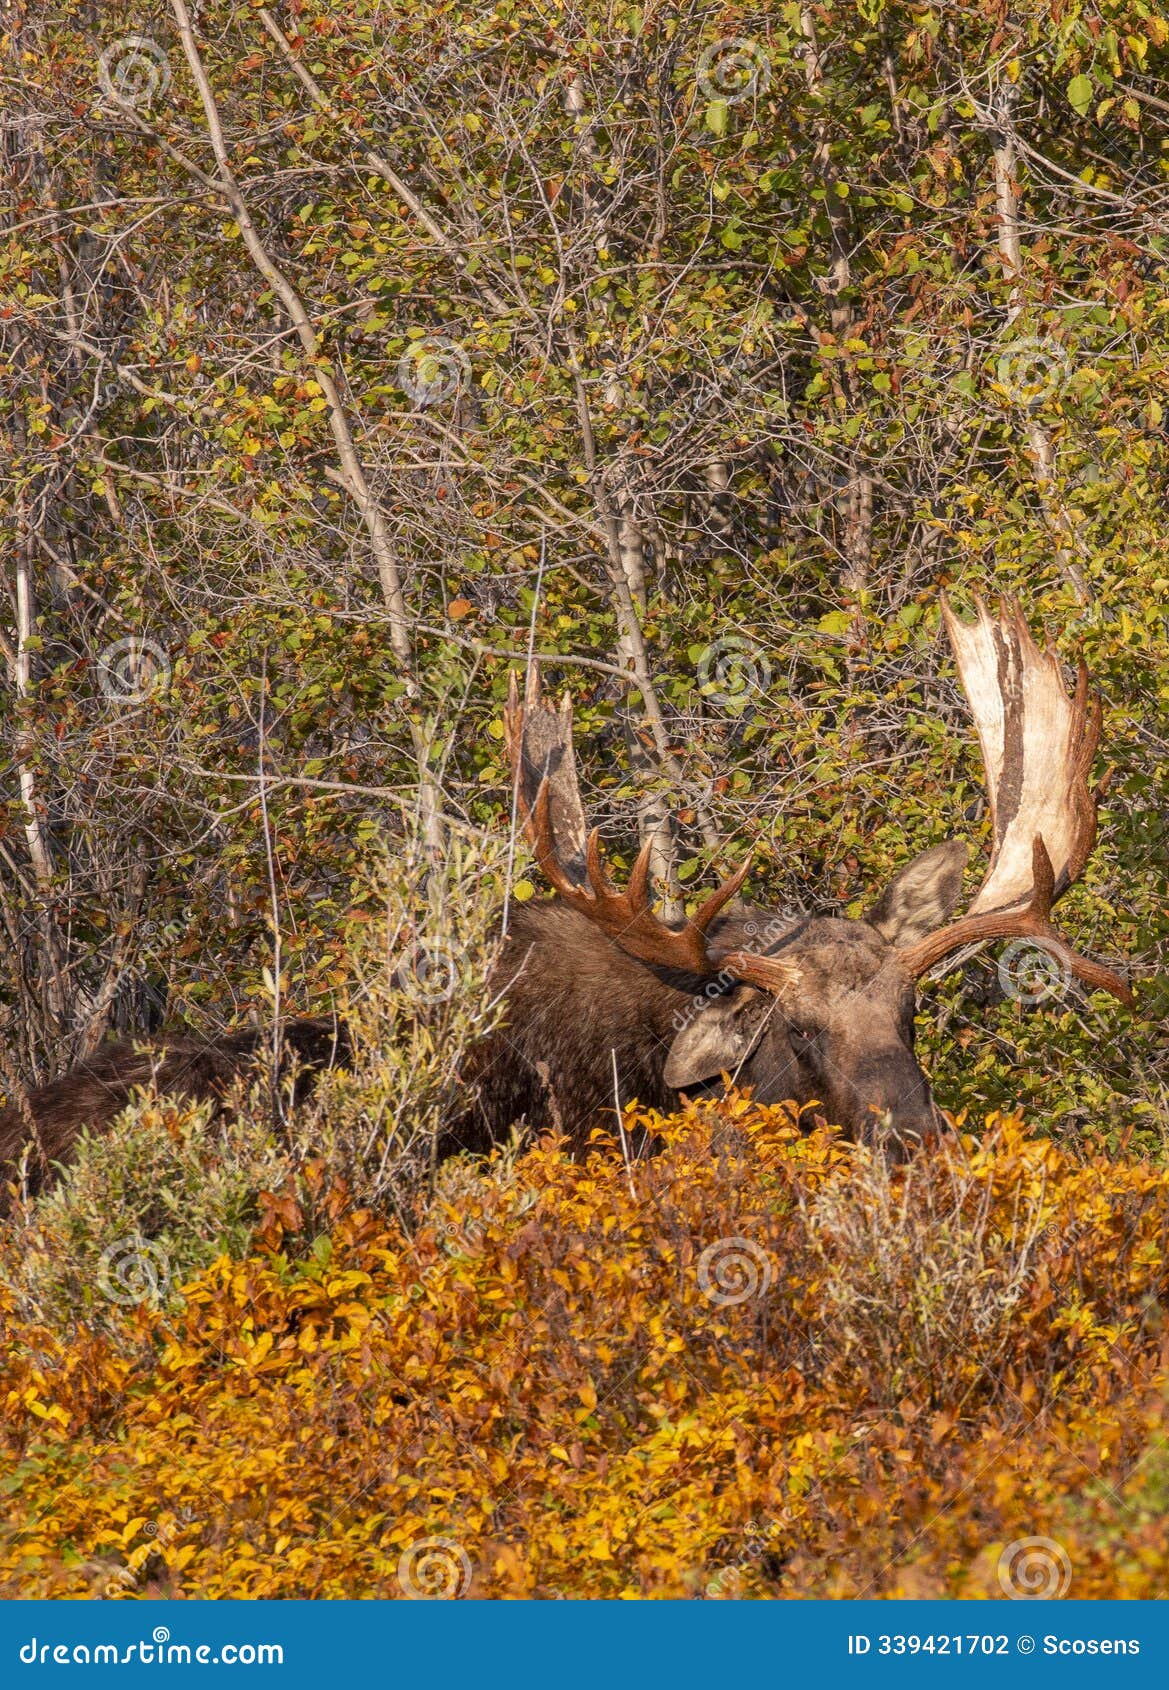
x=900 y=1115
x=900 y=1136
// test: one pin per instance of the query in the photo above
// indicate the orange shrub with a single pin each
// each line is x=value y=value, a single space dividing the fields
x=756 y=1364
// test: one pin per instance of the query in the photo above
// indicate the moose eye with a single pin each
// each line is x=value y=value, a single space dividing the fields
x=801 y=1035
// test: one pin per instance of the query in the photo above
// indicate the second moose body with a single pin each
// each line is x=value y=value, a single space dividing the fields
x=602 y=997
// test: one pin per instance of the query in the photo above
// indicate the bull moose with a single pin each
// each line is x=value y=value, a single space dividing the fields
x=605 y=1002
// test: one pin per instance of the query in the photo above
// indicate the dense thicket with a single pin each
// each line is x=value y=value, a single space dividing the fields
x=767 y=1368
x=347 y=353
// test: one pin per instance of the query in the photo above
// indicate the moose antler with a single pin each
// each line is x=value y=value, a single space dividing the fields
x=539 y=742
x=538 y=736
x=1037 y=749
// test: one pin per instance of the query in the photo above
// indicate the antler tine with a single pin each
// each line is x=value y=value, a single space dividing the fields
x=626 y=917
x=720 y=896
x=602 y=886
x=638 y=889
x=1090 y=710
x=539 y=742
x=1042 y=879
x=1033 y=922
x=538 y=827
x=1093 y=974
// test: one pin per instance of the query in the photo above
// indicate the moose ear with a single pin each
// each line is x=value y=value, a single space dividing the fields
x=922 y=897
x=718 y=1037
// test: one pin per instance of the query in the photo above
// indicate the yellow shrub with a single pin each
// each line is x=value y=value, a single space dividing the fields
x=760 y=1364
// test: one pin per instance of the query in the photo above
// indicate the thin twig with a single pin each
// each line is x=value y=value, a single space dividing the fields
x=274 y=893
x=621 y=1125
x=518 y=770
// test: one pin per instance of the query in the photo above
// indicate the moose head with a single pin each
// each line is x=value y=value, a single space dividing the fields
x=821 y=1010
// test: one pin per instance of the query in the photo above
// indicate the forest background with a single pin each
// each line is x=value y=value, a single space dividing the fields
x=349 y=355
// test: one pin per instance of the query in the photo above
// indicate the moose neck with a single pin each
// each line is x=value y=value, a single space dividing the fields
x=578 y=1009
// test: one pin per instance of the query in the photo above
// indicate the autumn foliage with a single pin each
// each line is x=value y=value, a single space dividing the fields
x=756 y=1364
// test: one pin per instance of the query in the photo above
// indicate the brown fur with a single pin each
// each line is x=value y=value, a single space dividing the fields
x=573 y=999
x=92 y=1093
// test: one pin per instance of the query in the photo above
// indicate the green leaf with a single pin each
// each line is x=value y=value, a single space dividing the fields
x=1080 y=94
x=836 y=622
x=716 y=117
